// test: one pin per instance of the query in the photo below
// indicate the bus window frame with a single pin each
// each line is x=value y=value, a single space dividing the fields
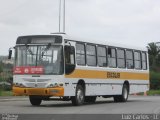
x=81 y=54
x=106 y=53
x=138 y=60
x=95 y=46
x=121 y=58
x=130 y=59
x=111 y=47
x=145 y=60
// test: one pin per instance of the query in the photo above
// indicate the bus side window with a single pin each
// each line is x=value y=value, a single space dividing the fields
x=129 y=59
x=101 y=55
x=69 y=59
x=80 y=54
x=144 y=61
x=137 y=60
x=112 y=57
x=91 y=55
x=121 y=58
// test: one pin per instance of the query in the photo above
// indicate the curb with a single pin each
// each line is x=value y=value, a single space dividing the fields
x=3 y=99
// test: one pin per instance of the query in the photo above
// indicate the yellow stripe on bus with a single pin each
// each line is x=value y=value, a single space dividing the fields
x=95 y=74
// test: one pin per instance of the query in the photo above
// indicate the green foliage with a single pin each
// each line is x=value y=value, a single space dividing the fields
x=154 y=80
x=6 y=93
x=6 y=87
x=153 y=51
x=154 y=62
x=0 y=91
x=1 y=69
x=153 y=92
x=1 y=79
x=6 y=78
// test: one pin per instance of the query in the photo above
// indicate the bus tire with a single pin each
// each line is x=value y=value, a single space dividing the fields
x=35 y=101
x=124 y=96
x=78 y=99
x=90 y=99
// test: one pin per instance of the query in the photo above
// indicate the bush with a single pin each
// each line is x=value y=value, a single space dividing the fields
x=154 y=80
x=0 y=92
x=5 y=86
x=153 y=92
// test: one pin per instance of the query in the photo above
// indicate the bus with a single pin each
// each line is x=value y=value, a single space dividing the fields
x=60 y=67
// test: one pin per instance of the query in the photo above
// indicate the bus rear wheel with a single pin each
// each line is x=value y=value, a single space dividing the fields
x=35 y=101
x=78 y=99
x=124 y=96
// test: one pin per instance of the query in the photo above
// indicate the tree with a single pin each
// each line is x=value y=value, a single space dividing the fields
x=153 y=51
x=1 y=69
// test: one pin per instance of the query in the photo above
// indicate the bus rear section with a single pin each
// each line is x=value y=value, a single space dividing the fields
x=107 y=71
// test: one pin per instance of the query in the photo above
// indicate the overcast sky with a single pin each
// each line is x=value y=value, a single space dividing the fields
x=129 y=22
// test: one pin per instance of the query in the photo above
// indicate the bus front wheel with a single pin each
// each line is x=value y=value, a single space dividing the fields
x=35 y=101
x=124 y=96
x=78 y=99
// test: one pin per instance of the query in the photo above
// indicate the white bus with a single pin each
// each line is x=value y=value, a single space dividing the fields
x=58 y=67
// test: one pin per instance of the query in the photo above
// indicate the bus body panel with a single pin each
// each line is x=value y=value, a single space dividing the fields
x=99 y=81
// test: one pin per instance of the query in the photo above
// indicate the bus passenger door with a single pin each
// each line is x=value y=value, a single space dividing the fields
x=69 y=59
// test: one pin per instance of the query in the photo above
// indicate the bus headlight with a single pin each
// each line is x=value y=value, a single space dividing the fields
x=19 y=85
x=50 y=85
x=16 y=84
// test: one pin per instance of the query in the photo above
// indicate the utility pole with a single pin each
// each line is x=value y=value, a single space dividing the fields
x=60 y=16
x=62 y=13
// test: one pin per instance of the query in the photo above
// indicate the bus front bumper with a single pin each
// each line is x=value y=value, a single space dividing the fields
x=58 y=91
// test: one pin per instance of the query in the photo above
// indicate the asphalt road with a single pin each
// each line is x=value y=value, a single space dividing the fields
x=135 y=105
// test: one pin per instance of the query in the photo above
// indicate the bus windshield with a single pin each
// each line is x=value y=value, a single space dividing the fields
x=39 y=59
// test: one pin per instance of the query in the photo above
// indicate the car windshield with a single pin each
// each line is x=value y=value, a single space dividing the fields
x=48 y=57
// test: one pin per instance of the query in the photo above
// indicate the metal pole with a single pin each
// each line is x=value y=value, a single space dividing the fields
x=64 y=12
x=60 y=16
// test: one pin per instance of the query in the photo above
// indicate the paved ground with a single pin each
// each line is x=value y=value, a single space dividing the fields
x=135 y=105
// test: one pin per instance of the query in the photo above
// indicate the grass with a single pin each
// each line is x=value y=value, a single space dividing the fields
x=150 y=93
x=153 y=92
x=6 y=93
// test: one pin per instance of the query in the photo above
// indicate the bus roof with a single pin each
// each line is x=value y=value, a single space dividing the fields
x=104 y=42
x=93 y=41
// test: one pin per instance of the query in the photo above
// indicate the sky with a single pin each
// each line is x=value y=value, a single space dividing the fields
x=128 y=22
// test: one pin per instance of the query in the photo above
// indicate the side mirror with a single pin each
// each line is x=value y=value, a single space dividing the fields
x=10 y=54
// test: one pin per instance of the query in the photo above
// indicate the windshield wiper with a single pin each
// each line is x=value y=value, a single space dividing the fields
x=47 y=48
x=29 y=50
